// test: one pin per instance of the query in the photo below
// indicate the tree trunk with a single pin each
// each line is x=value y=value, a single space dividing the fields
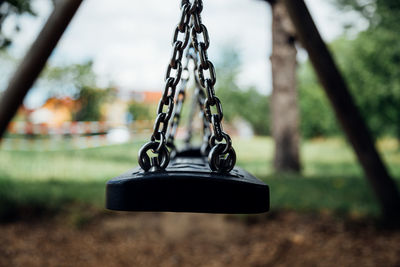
x=35 y=59
x=346 y=111
x=284 y=108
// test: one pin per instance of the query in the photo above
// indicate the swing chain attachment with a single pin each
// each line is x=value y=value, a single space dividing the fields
x=222 y=157
x=158 y=143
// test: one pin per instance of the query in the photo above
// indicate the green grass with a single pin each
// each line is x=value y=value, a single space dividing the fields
x=331 y=180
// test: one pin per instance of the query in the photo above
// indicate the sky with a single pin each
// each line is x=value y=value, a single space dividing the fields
x=130 y=40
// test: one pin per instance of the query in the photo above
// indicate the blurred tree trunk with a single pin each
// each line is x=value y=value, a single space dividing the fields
x=284 y=108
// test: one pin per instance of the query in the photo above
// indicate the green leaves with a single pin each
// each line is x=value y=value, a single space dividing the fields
x=90 y=100
x=140 y=111
x=12 y=7
x=371 y=66
x=244 y=103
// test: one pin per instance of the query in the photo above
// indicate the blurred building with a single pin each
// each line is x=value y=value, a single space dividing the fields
x=116 y=111
x=54 y=112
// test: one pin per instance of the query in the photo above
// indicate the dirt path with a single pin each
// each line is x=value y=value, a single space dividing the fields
x=148 y=239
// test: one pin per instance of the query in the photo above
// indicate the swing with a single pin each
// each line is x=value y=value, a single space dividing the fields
x=195 y=179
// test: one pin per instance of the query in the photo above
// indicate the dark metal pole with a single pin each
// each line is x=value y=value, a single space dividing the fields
x=346 y=111
x=35 y=60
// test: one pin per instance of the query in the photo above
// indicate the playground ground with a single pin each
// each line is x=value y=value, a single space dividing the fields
x=168 y=239
x=52 y=213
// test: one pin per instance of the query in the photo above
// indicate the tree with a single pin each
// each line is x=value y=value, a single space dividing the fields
x=378 y=12
x=77 y=81
x=346 y=110
x=140 y=111
x=253 y=105
x=284 y=110
x=12 y=7
x=317 y=117
x=371 y=64
x=90 y=100
x=68 y=80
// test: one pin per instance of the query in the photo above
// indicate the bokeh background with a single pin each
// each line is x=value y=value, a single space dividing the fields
x=95 y=102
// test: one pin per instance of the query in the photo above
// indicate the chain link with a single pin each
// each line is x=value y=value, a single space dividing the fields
x=158 y=143
x=217 y=144
x=180 y=98
x=222 y=156
x=201 y=98
x=198 y=101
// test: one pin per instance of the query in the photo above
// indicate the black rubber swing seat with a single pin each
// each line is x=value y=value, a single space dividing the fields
x=188 y=185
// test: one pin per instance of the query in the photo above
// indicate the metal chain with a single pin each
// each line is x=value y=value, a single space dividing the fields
x=197 y=101
x=158 y=141
x=180 y=98
x=190 y=120
x=194 y=96
x=199 y=98
x=222 y=156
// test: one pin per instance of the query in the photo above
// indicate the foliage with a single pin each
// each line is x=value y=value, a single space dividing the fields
x=20 y=6
x=256 y=110
x=77 y=81
x=379 y=13
x=90 y=100
x=61 y=81
x=373 y=74
x=140 y=111
x=7 y=65
x=9 y=8
x=316 y=115
x=370 y=64
x=245 y=103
